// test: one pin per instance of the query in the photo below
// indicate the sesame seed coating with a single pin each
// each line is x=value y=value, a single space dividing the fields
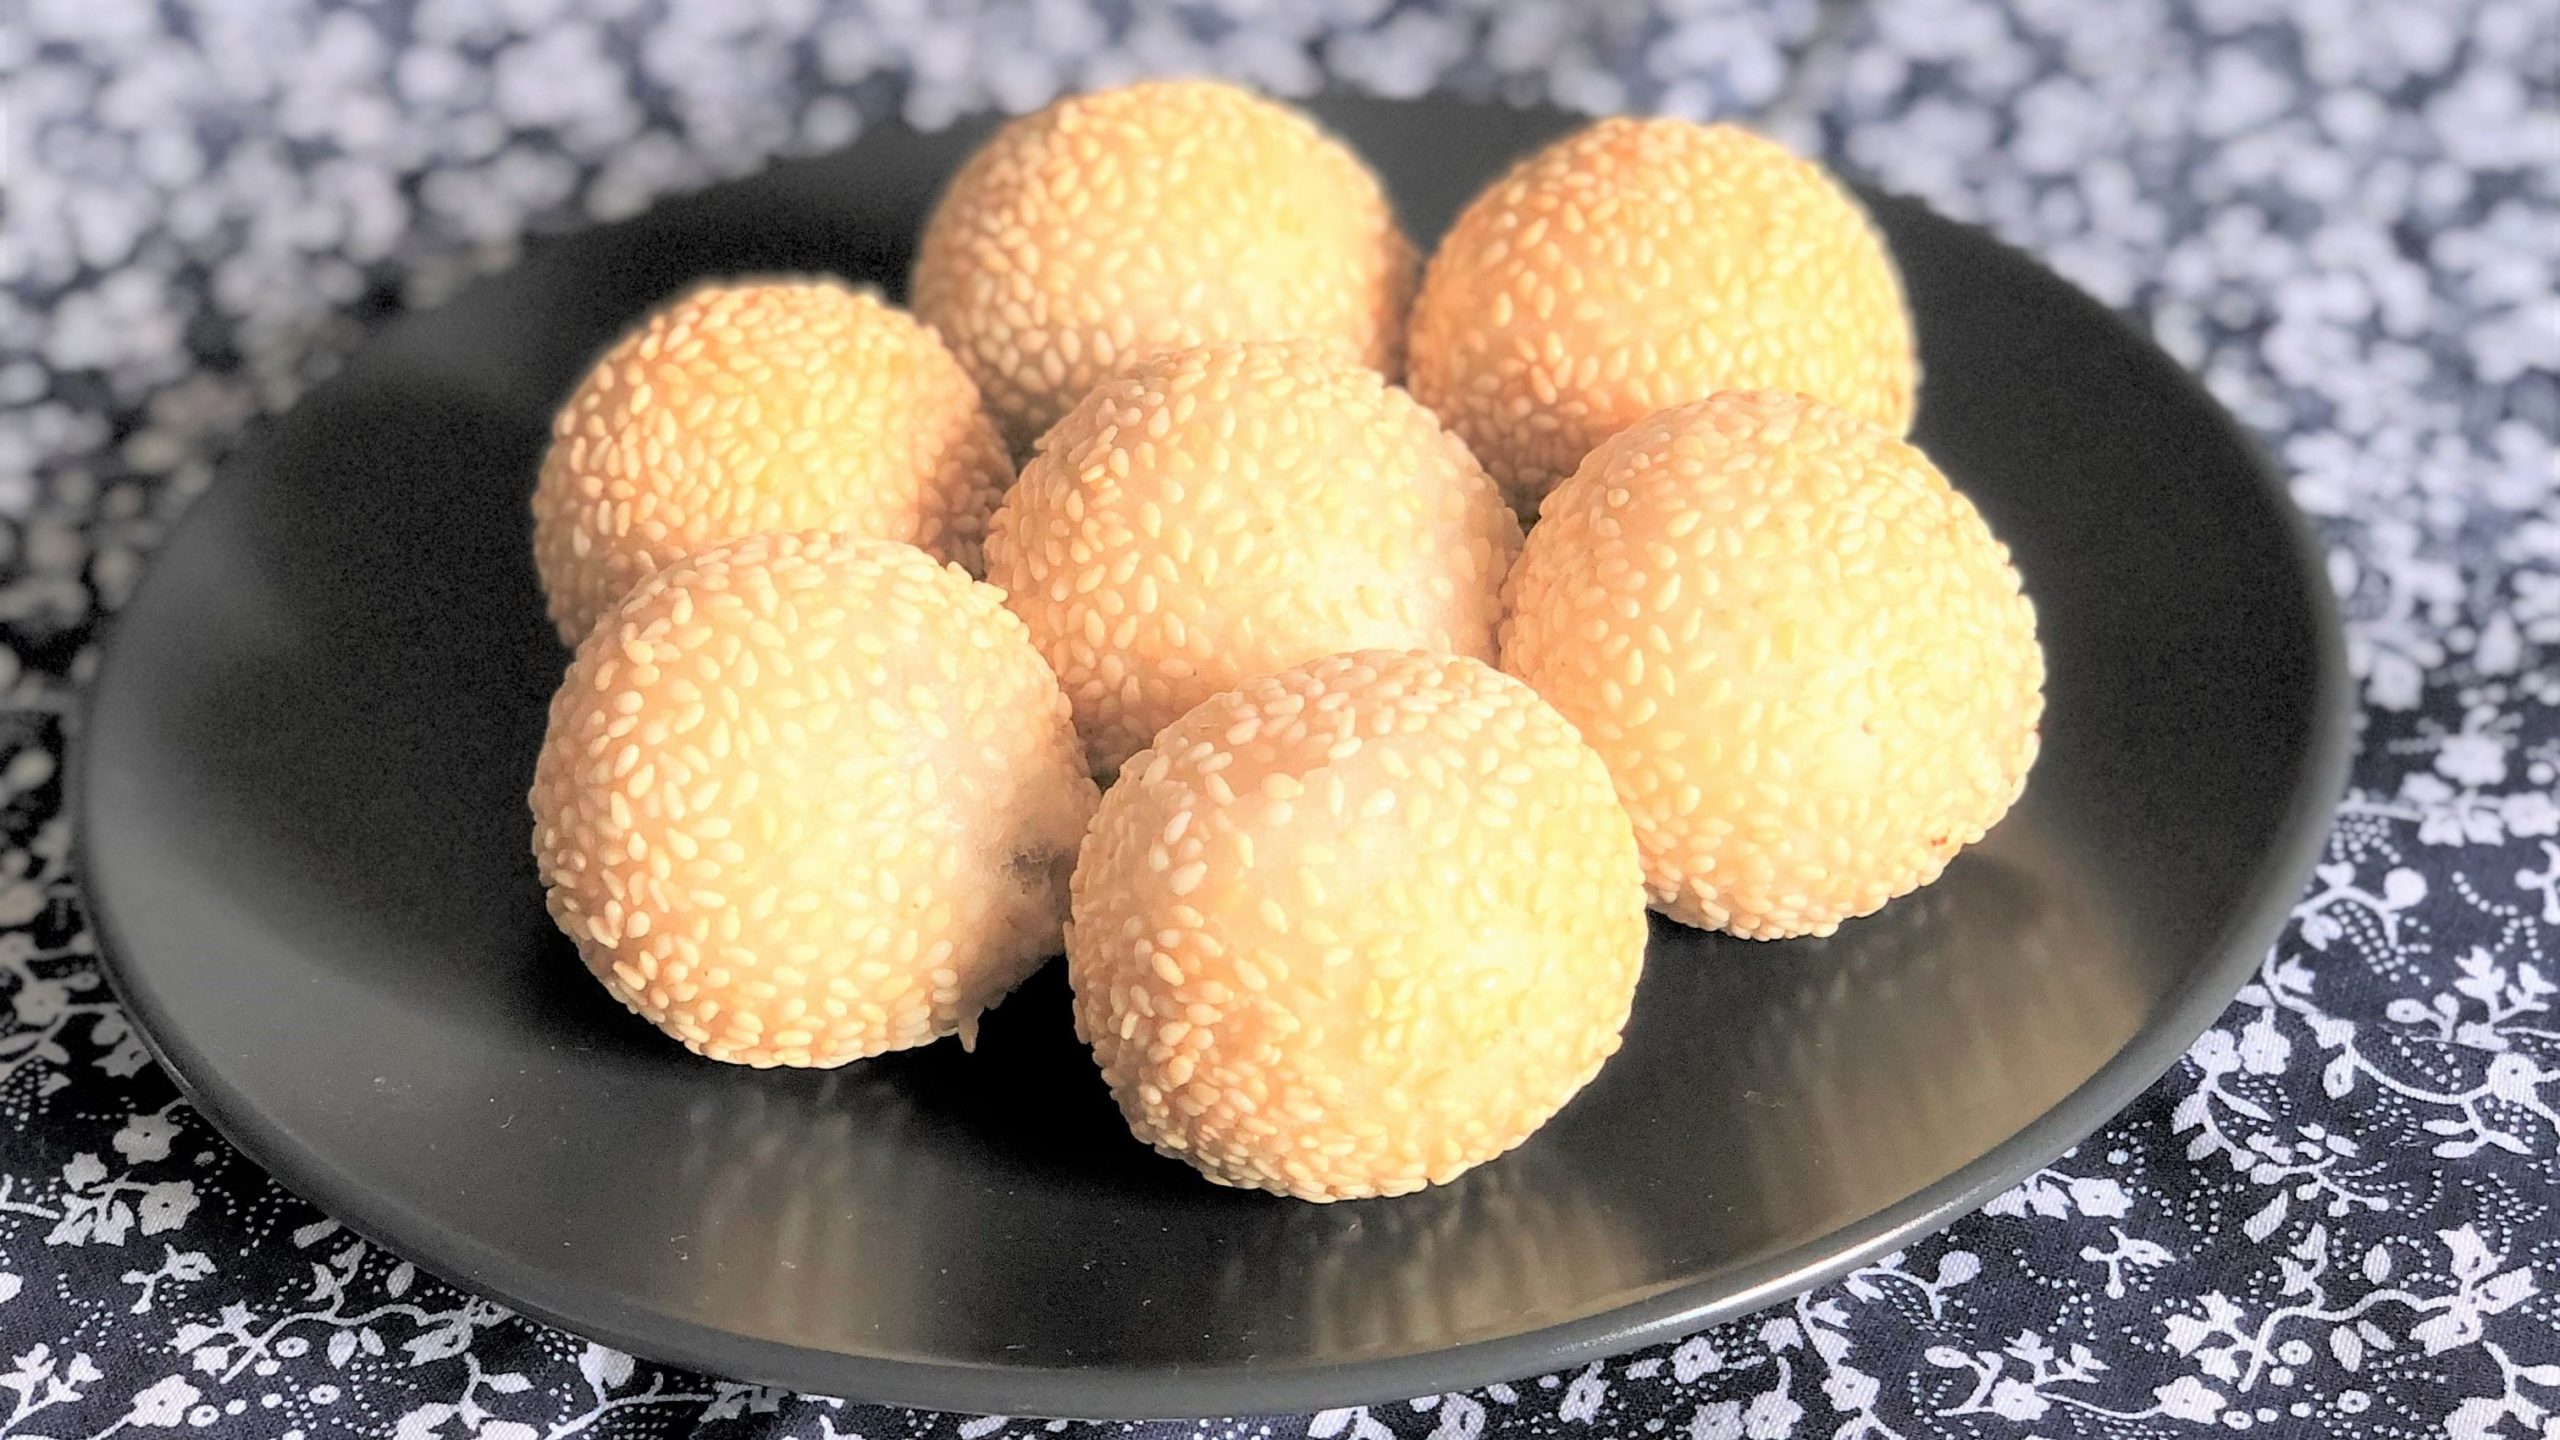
x=1223 y=512
x=756 y=407
x=1354 y=927
x=1802 y=653
x=810 y=797
x=1151 y=217
x=1636 y=264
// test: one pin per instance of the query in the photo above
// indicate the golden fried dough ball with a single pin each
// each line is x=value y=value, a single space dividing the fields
x=1639 y=263
x=1152 y=217
x=1224 y=512
x=765 y=406
x=806 y=798
x=1802 y=654
x=1352 y=928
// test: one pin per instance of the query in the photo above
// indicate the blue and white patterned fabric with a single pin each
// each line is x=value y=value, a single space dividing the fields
x=2340 y=1216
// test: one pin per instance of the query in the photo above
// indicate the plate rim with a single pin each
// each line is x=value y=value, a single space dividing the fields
x=1112 y=1392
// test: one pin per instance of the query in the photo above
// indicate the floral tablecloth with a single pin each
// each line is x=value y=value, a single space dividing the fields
x=2340 y=1216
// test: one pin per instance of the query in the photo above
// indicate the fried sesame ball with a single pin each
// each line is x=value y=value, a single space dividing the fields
x=1803 y=655
x=766 y=406
x=806 y=798
x=1160 y=215
x=1226 y=511
x=1639 y=263
x=1354 y=927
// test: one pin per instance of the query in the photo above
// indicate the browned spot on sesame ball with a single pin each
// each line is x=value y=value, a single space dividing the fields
x=1803 y=655
x=806 y=798
x=1223 y=512
x=1355 y=927
x=1111 y=226
x=1639 y=263
x=748 y=408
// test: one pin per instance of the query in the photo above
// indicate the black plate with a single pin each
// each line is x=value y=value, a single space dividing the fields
x=304 y=837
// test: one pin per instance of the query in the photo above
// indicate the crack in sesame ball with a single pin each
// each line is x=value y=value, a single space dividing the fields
x=1110 y=226
x=1802 y=653
x=760 y=407
x=1354 y=927
x=1226 y=511
x=806 y=798
x=1637 y=264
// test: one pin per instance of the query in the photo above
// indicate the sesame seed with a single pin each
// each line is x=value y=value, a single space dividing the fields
x=1724 y=263
x=655 y=465
x=1164 y=502
x=771 y=967
x=1236 y=1071
x=1769 y=803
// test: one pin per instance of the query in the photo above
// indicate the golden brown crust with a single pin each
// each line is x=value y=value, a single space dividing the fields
x=1802 y=653
x=806 y=798
x=758 y=407
x=1637 y=264
x=1110 y=226
x=1223 y=512
x=1353 y=928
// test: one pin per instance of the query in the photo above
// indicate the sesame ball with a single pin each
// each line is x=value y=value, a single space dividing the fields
x=1803 y=655
x=806 y=798
x=1224 y=512
x=1161 y=215
x=1639 y=263
x=768 y=406
x=1352 y=928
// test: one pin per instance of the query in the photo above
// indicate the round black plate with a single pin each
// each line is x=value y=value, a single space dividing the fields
x=304 y=835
